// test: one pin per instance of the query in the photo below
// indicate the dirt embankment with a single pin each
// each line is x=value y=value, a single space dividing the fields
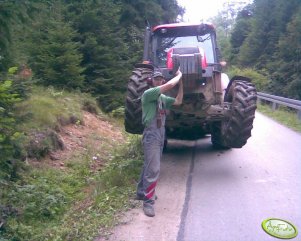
x=95 y=136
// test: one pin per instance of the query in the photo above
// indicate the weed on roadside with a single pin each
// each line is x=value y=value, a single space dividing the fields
x=74 y=203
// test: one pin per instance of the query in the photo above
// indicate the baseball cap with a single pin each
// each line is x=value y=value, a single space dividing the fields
x=157 y=74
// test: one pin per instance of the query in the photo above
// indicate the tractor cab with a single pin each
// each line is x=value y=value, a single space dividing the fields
x=190 y=46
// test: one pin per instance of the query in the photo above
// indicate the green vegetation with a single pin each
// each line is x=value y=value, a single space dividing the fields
x=73 y=203
x=283 y=115
x=56 y=61
x=43 y=113
x=264 y=37
x=260 y=80
x=43 y=202
x=47 y=202
x=46 y=106
x=8 y=135
x=90 y=45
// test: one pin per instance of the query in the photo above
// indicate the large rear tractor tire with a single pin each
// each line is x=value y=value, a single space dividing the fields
x=137 y=84
x=234 y=131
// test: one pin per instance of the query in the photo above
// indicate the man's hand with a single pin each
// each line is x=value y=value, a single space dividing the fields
x=178 y=72
x=172 y=83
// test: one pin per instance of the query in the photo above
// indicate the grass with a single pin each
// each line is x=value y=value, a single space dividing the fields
x=110 y=192
x=283 y=115
x=72 y=204
x=45 y=107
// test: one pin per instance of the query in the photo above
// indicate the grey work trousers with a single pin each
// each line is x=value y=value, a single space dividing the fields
x=153 y=142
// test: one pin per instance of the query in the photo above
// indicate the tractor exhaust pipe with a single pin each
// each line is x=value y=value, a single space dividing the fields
x=147 y=36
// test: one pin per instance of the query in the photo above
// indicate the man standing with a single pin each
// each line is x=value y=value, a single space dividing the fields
x=154 y=106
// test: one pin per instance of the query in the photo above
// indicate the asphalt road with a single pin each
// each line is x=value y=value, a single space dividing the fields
x=209 y=195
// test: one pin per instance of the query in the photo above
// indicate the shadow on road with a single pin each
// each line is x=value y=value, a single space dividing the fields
x=202 y=145
x=179 y=146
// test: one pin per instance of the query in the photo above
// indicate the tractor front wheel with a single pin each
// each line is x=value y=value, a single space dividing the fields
x=234 y=131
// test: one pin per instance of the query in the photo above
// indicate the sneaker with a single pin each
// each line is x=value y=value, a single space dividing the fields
x=148 y=209
x=141 y=197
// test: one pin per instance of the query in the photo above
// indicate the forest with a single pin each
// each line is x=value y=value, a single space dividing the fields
x=91 y=47
x=86 y=46
x=265 y=37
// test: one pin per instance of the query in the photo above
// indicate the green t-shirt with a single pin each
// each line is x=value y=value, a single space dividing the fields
x=149 y=104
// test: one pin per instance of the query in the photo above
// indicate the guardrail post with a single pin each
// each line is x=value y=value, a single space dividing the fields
x=299 y=114
x=274 y=106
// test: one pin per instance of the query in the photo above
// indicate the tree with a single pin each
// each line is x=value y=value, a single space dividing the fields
x=254 y=45
x=55 y=56
x=8 y=133
x=106 y=55
x=111 y=36
x=222 y=37
x=90 y=44
x=270 y=41
x=288 y=82
x=241 y=30
x=270 y=20
x=12 y=13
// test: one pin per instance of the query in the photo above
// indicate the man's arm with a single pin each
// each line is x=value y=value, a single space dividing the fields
x=172 y=83
x=179 y=97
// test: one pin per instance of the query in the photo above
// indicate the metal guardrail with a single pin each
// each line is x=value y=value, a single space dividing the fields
x=277 y=100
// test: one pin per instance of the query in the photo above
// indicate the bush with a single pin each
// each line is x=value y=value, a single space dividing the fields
x=48 y=107
x=260 y=80
x=119 y=112
x=8 y=134
x=39 y=201
x=21 y=80
x=125 y=165
x=42 y=143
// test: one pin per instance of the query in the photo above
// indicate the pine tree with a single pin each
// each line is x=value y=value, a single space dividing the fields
x=111 y=34
x=272 y=44
x=7 y=128
x=288 y=82
x=11 y=13
x=55 y=56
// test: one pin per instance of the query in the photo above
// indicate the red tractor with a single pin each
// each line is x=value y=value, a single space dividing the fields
x=211 y=105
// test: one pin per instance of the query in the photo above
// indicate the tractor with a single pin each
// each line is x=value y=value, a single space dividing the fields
x=212 y=104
